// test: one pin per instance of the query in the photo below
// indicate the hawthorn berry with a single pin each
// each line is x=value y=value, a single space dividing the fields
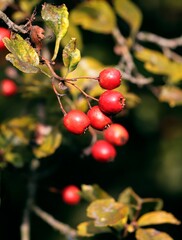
x=111 y=102
x=103 y=151
x=98 y=119
x=116 y=134
x=4 y=32
x=70 y=195
x=110 y=78
x=8 y=87
x=76 y=121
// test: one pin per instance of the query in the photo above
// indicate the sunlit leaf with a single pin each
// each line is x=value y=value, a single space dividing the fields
x=107 y=212
x=71 y=55
x=93 y=192
x=151 y=234
x=49 y=144
x=23 y=56
x=56 y=19
x=158 y=63
x=157 y=217
x=87 y=229
x=170 y=94
x=130 y=13
x=97 y=16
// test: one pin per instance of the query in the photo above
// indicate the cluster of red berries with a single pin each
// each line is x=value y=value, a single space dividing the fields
x=99 y=117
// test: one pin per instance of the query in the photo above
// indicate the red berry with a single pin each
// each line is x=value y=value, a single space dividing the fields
x=111 y=102
x=8 y=87
x=110 y=78
x=4 y=32
x=116 y=134
x=76 y=121
x=103 y=151
x=70 y=195
x=98 y=119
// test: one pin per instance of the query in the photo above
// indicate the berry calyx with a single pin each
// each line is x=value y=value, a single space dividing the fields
x=4 y=32
x=116 y=134
x=98 y=119
x=70 y=195
x=111 y=102
x=103 y=151
x=8 y=87
x=110 y=78
x=76 y=122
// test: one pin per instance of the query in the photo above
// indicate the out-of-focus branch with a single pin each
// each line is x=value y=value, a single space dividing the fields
x=163 y=42
x=172 y=55
x=59 y=226
x=12 y=25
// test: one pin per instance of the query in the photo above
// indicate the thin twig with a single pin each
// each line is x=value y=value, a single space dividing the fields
x=12 y=25
x=61 y=227
x=163 y=42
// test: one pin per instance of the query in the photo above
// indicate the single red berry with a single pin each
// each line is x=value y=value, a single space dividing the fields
x=70 y=195
x=111 y=102
x=76 y=121
x=8 y=87
x=116 y=134
x=4 y=32
x=110 y=78
x=98 y=119
x=103 y=151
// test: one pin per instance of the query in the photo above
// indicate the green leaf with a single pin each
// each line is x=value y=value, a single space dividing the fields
x=93 y=192
x=14 y=158
x=71 y=55
x=157 y=217
x=97 y=16
x=107 y=212
x=151 y=234
x=87 y=229
x=130 y=13
x=170 y=94
x=158 y=63
x=50 y=142
x=22 y=56
x=56 y=18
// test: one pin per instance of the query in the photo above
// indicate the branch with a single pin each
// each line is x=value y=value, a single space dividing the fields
x=163 y=42
x=12 y=25
x=61 y=227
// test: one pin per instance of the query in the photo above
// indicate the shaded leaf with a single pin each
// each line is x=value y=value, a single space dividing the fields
x=56 y=18
x=14 y=158
x=151 y=234
x=170 y=94
x=157 y=217
x=50 y=142
x=107 y=212
x=22 y=56
x=18 y=131
x=130 y=13
x=71 y=55
x=96 y=16
x=73 y=31
x=158 y=63
x=93 y=192
x=87 y=229
x=5 y=3
x=132 y=100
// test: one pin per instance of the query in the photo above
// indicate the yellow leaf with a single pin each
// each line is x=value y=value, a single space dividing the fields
x=130 y=13
x=96 y=16
x=170 y=94
x=157 y=217
x=151 y=234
